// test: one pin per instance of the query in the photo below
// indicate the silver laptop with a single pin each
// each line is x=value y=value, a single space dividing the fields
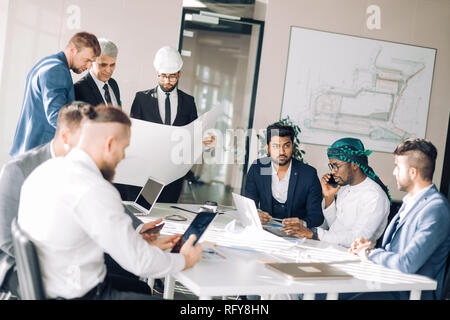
x=248 y=216
x=146 y=198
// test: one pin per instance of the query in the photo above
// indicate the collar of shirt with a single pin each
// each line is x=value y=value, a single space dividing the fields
x=52 y=150
x=280 y=187
x=79 y=155
x=100 y=85
x=348 y=188
x=410 y=200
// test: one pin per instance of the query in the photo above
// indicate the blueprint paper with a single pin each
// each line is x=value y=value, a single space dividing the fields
x=161 y=152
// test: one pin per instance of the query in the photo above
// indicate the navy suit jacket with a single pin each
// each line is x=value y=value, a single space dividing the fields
x=86 y=90
x=48 y=87
x=421 y=241
x=304 y=193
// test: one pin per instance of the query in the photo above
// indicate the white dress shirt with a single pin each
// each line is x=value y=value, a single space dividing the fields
x=100 y=85
x=73 y=215
x=360 y=211
x=173 y=97
x=280 y=187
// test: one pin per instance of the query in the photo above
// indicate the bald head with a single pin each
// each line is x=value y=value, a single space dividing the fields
x=105 y=134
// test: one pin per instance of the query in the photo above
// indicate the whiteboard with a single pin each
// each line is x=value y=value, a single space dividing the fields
x=340 y=86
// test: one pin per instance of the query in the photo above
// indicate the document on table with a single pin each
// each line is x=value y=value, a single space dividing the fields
x=161 y=152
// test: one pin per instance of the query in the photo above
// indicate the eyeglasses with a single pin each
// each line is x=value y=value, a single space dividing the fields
x=170 y=77
x=334 y=166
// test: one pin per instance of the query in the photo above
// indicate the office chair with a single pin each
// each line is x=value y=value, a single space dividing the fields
x=446 y=287
x=395 y=206
x=28 y=270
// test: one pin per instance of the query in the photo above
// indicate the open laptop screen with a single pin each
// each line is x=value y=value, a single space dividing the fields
x=149 y=194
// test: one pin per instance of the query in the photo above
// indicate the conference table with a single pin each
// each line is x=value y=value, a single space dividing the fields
x=233 y=263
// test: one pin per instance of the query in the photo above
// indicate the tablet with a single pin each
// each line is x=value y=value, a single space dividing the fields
x=198 y=226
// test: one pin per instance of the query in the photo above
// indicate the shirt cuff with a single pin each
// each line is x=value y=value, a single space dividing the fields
x=139 y=227
x=320 y=233
x=179 y=262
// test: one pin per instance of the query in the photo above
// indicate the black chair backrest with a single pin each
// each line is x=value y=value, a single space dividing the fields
x=395 y=206
x=28 y=270
x=446 y=286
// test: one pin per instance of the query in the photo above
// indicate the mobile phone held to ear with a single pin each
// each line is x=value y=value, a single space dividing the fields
x=332 y=182
x=155 y=229
x=198 y=226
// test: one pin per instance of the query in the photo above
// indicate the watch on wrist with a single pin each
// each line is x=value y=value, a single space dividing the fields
x=314 y=231
x=367 y=252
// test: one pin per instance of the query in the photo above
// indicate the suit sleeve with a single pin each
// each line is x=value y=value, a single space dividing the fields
x=251 y=188
x=136 y=108
x=314 y=215
x=11 y=180
x=431 y=233
x=55 y=87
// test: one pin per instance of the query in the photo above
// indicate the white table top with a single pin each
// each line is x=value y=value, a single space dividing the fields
x=243 y=273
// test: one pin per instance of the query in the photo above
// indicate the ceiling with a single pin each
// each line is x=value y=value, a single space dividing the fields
x=237 y=8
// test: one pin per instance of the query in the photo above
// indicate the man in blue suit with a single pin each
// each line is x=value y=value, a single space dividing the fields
x=48 y=87
x=418 y=238
x=283 y=187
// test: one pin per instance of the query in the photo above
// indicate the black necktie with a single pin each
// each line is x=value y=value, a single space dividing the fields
x=107 y=95
x=167 y=119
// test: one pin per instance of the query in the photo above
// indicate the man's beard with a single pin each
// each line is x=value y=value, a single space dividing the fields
x=171 y=88
x=108 y=173
x=277 y=161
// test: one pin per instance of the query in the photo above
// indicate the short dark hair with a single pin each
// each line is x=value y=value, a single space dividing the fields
x=70 y=115
x=86 y=40
x=279 y=130
x=421 y=154
x=104 y=113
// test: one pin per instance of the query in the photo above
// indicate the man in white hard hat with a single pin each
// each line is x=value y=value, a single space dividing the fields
x=165 y=104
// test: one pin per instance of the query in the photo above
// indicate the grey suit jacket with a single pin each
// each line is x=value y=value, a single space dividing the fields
x=12 y=177
x=420 y=243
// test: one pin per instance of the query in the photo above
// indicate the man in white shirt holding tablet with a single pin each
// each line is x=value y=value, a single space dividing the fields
x=73 y=215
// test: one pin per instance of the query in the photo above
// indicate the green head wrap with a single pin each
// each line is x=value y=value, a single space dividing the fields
x=352 y=150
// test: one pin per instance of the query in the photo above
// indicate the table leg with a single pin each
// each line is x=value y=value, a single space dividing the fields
x=415 y=295
x=332 y=296
x=169 y=287
x=309 y=296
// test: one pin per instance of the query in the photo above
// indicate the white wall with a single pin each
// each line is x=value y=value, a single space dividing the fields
x=39 y=28
x=421 y=22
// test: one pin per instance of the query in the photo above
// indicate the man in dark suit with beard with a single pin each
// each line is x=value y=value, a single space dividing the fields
x=97 y=86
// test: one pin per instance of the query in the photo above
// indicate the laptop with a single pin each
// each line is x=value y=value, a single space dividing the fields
x=248 y=216
x=146 y=198
x=308 y=271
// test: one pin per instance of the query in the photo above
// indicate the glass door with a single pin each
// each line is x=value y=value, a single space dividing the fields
x=220 y=66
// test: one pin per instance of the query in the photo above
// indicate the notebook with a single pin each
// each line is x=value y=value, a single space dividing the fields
x=146 y=198
x=308 y=271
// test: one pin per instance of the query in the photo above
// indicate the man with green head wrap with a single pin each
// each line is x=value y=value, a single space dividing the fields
x=358 y=205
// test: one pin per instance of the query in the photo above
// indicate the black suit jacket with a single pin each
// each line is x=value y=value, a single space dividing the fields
x=86 y=90
x=304 y=192
x=145 y=107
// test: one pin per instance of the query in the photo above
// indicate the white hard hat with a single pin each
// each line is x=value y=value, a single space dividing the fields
x=168 y=60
